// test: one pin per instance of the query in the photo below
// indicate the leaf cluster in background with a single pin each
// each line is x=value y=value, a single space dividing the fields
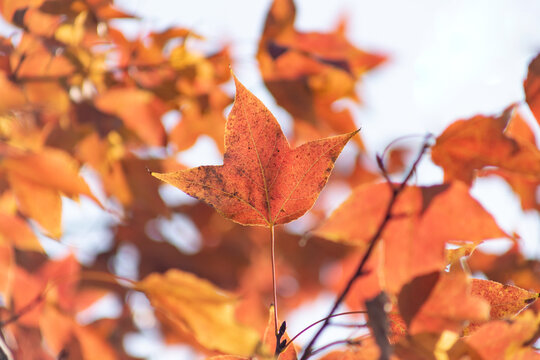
x=77 y=96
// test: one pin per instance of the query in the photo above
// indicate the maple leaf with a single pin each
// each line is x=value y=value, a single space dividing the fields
x=37 y=180
x=440 y=301
x=524 y=185
x=472 y=144
x=531 y=86
x=505 y=300
x=262 y=180
x=510 y=267
x=499 y=340
x=307 y=72
x=37 y=57
x=140 y=110
x=423 y=220
x=195 y=305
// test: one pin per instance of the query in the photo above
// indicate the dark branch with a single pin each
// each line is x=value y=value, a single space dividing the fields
x=27 y=308
x=396 y=191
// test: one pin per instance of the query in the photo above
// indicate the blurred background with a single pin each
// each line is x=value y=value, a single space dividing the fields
x=445 y=60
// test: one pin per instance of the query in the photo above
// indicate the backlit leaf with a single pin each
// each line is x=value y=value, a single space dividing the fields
x=524 y=185
x=194 y=305
x=262 y=180
x=500 y=340
x=471 y=144
x=269 y=340
x=440 y=301
x=505 y=300
x=532 y=87
x=423 y=220
x=14 y=230
x=140 y=110
x=307 y=72
x=39 y=178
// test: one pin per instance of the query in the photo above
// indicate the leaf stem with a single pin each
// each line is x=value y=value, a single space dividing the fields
x=396 y=191
x=274 y=282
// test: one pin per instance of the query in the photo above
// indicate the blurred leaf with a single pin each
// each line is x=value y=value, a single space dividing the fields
x=472 y=144
x=423 y=220
x=531 y=86
x=195 y=305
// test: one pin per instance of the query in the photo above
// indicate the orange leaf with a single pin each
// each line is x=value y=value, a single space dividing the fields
x=14 y=230
x=307 y=72
x=35 y=58
x=192 y=304
x=469 y=145
x=33 y=198
x=423 y=220
x=92 y=343
x=524 y=185
x=38 y=179
x=51 y=168
x=140 y=110
x=7 y=268
x=56 y=328
x=532 y=87
x=11 y=96
x=453 y=255
x=262 y=180
x=501 y=340
x=367 y=350
x=440 y=301
x=270 y=339
x=28 y=288
x=201 y=115
x=505 y=300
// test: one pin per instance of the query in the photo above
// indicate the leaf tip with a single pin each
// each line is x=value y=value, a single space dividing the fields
x=155 y=174
x=238 y=85
x=353 y=133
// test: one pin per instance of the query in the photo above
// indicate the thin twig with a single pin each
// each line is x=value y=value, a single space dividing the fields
x=349 y=325
x=396 y=191
x=334 y=343
x=320 y=321
x=25 y=309
x=401 y=138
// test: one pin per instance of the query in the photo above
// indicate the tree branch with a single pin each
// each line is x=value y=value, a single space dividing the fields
x=396 y=191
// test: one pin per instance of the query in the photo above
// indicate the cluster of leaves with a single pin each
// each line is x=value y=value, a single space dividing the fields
x=75 y=92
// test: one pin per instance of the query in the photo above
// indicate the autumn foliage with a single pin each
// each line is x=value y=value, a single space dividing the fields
x=82 y=111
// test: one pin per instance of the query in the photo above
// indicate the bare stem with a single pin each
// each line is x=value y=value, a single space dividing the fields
x=396 y=191
x=334 y=343
x=274 y=282
x=320 y=321
x=25 y=309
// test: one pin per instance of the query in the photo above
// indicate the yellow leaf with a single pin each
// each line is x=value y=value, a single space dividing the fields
x=40 y=203
x=196 y=306
x=72 y=34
